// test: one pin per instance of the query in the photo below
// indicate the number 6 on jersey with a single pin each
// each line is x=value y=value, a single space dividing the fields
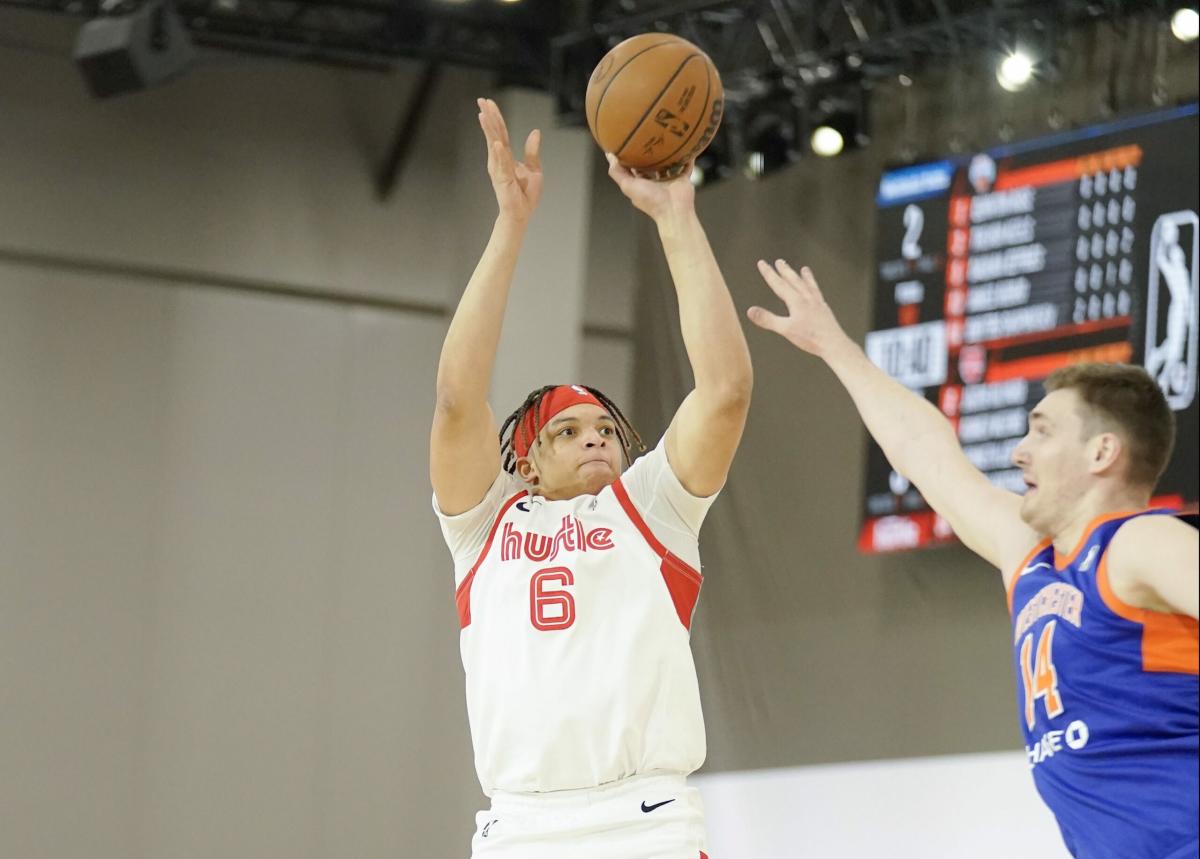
x=551 y=608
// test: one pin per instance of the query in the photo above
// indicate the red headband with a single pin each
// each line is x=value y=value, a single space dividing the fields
x=535 y=418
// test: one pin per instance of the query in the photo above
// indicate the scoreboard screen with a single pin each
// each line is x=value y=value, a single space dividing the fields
x=995 y=269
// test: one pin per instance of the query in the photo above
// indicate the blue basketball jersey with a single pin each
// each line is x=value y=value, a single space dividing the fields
x=1109 y=704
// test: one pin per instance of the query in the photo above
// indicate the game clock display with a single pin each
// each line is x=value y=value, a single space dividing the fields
x=995 y=269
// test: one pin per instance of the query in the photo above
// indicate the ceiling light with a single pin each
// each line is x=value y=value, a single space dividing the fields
x=1185 y=25
x=827 y=141
x=1015 y=71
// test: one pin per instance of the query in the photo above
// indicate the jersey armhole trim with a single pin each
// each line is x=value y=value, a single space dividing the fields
x=1169 y=641
x=631 y=511
x=462 y=594
x=1063 y=561
x=682 y=581
x=1114 y=603
x=1012 y=583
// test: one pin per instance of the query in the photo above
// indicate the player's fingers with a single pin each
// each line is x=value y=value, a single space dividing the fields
x=487 y=131
x=619 y=173
x=504 y=169
x=810 y=279
x=501 y=125
x=779 y=285
x=766 y=319
x=804 y=283
x=491 y=145
x=533 y=144
x=488 y=121
x=789 y=274
x=485 y=108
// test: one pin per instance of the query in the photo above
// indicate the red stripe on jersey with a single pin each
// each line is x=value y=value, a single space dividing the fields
x=462 y=596
x=636 y=517
x=682 y=581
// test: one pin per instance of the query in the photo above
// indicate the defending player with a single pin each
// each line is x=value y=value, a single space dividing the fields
x=576 y=578
x=1103 y=592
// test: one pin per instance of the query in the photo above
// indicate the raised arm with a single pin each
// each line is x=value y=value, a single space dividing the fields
x=917 y=439
x=464 y=452
x=704 y=434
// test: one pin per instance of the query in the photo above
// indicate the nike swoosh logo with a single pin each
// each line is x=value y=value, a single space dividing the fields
x=649 y=808
x=1038 y=566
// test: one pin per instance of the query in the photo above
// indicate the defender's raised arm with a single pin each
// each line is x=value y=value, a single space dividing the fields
x=916 y=438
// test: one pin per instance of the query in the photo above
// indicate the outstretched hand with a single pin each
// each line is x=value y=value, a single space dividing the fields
x=809 y=324
x=518 y=184
x=656 y=199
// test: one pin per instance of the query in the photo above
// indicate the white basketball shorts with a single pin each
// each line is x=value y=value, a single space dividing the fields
x=645 y=817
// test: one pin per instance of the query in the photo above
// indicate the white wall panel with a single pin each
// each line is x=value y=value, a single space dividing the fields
x=81 y=381
x=980 y=806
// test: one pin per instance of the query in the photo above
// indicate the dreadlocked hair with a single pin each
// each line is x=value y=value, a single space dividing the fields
x=626 y=434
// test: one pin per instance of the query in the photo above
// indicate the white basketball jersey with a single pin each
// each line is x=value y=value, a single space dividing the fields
x=574 y=636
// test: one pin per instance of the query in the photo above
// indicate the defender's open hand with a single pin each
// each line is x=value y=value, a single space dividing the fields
x=809 y=323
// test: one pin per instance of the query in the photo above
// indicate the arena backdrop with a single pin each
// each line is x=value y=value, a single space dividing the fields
x=809 y=650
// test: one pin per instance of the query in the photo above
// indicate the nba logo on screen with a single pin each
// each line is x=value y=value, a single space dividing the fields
x=981 y=173
x=1171 y=303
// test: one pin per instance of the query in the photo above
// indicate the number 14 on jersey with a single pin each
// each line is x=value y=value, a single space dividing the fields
x=1039 y=676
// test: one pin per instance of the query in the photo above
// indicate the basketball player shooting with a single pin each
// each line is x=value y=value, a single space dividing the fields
x=1103 y=592
x=577 y=573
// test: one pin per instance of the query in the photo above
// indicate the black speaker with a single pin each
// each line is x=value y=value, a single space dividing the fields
x=131 y=51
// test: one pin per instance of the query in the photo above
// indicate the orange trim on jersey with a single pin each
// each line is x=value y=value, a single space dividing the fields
x=1170 y=642
x=682 y=581
x=1061 y=561
x=1115 y=604
x=1012 y=583
x=462 y=595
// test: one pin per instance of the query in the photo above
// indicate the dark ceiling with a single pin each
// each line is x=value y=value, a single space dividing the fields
x=795 y=62
x=554 y=44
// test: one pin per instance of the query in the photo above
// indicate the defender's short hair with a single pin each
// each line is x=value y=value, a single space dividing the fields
x=1124 y=398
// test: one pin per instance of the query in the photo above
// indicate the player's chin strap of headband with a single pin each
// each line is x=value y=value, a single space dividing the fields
x=535 y=418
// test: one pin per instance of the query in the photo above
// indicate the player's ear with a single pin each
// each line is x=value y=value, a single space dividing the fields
x=1103 y=452
x=527 y=470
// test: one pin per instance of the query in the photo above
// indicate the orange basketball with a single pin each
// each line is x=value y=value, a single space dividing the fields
x=655 y=102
